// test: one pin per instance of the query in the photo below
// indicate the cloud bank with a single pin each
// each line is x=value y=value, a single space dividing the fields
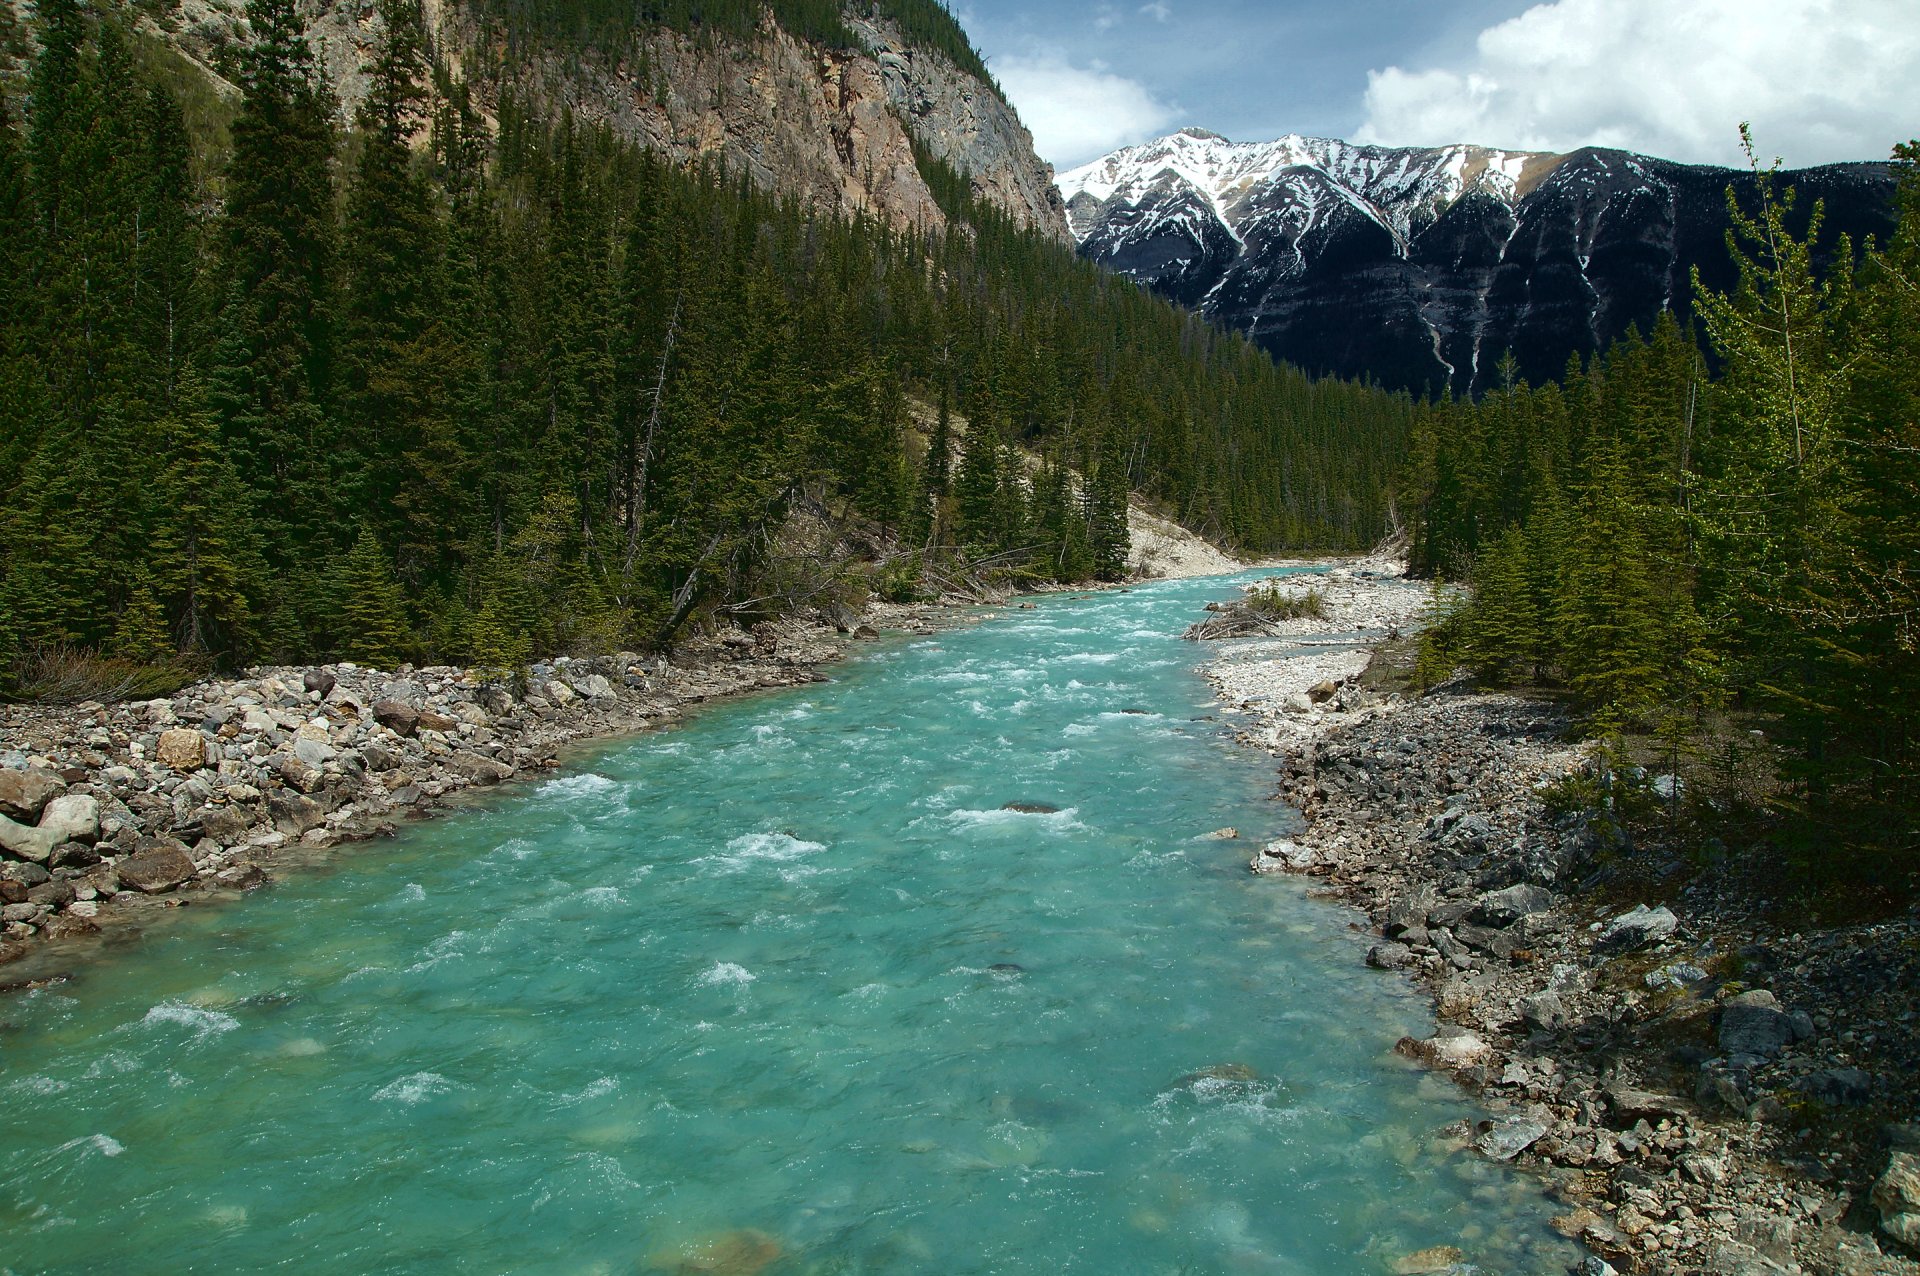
x=1820 y=80
x=1079 y=113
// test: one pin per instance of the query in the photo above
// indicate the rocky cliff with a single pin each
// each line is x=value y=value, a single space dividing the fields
x=1419 y=268
x=832 y=126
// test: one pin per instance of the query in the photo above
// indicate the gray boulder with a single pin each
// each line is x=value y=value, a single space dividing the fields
x=1504 y=908
x=1505 y=1139
x=1544 y=1011
x=478 y=769
x=1389 y=956
x=71 y=817
x=1753 y=1024
x=1840 y=1087
x=1636 y=929
x=1897 y=1197
x=396 y=716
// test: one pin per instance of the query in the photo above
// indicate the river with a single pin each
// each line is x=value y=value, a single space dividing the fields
x=786 y=990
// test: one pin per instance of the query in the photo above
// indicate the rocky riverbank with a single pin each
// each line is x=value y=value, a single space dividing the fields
x=1707 y=1085
x=109 y=811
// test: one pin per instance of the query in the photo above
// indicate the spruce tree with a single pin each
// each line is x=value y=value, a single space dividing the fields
x=369 y=608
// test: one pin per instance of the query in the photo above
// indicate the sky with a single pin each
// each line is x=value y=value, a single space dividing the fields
x=1819 y=80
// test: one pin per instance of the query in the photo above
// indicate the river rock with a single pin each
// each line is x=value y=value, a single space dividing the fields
x=740 y=1253
x=71 y=817
x=1897 y=1197
x=434 y=720
x=1753 y=1024
x=316 y=753
x=55 y=892
x=478 y=769
x=1389 y=956
x=1636 y=929
x=224 y=824
x=1509 y=1137
x=1322 y=691
x=1505 y=907
x=1630 y=1104
x=321 y=681
x=158 y=868
x=594 y=687
x=1429 y=1262
x=293 y=813
x=297 y=771
x=396 y=716
x=25 y=794
x=181 y=748
x=1452 y=1048
x=378 y=756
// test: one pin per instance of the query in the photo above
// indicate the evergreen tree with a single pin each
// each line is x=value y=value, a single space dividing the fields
x=370 y=610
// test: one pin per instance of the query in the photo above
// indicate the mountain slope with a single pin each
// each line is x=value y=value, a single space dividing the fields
x=829 y=120
x=1420 y=267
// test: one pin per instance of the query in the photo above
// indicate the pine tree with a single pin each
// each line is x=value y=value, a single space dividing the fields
x=1500 y=632
x=369 y=607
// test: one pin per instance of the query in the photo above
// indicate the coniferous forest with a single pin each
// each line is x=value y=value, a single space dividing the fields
x=1715 y=549
x=428 y=388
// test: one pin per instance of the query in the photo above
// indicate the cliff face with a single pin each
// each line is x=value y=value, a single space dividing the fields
x=832 y=127
x=1419 y=268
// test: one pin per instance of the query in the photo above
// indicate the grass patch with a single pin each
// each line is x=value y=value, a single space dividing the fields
x=1269 y=602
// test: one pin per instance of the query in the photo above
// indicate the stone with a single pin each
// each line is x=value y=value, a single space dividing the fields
x=1674 y=977
x=560 y=693
x=1321 y=692
x=596 y=687
x=1389 y=956
x=1505 y=907
x=181 y=748
x=1451 y=1048
x=746 y=1252
x=224 y=824
x=396 y=716
x=478 y=769
x=1636 y=929
x=1631 y=1104
x=1753 y=1024
x=298 y=772
x=71 y=817
x=57 y=892
x=1298 y=703
x=1031 y=808
x=26 y=914
x=433 y=720
x=1221 y=835
x=1544 y=1011
x=1840 y=1087
x=1407 y=911
x=378 y=756
x=294 y=814
x=25 y=794
x=73 y=855
x=241 y=877
x=1485 y=939
x=1429 y=1261
x=320 y=680
x=315 y=753
x=158 y=868
x=1897 y=1196
x=1509 y=1137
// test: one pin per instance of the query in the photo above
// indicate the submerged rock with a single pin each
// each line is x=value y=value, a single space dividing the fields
x=1031 y=808
x=738 y=1253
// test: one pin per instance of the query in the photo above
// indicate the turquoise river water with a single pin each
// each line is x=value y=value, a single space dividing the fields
x=785 y=990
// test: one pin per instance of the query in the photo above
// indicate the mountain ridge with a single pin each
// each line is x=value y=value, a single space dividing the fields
x=1420 y=266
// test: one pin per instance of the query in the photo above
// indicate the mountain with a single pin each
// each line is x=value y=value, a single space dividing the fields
x=821 y=108
x=1419 y=267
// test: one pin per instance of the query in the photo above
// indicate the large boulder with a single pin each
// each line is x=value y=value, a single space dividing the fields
x=158 y=868
x=1504 y=908
x=1897 y=1197
x=593 y=686
x=224 y=824
x=1754 y=1024
x=71 y=817
x=293 y=814
x=181 y=748
x=396 y=716
x=478 y=769
x=1452 y=1048
x=24 y=794
x=1507 y=1138
x=1637 y=928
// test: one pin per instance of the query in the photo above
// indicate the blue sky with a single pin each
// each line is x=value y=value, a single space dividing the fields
x=1821 y=80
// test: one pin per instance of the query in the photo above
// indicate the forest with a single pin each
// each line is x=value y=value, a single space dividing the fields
x=1712 y=548
x=432 y=387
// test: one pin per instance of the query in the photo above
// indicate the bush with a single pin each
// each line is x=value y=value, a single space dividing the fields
x=1269 y=603
x=60 y=673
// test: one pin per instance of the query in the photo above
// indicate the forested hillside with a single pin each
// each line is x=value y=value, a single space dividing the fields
x=530 y=389
x=1727 y=563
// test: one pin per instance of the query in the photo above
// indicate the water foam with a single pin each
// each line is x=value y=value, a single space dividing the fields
x=204 y=1023
x=725 y=972
x=586 y=784
x=750 y=849
x=414 y=1088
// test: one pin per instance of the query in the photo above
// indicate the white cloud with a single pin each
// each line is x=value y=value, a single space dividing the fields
x=1079 y=113
x=1105 y=18
x=1158 y=10
x=1821 y=80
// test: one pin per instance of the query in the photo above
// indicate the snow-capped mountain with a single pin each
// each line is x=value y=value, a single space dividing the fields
x=1419 y=267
